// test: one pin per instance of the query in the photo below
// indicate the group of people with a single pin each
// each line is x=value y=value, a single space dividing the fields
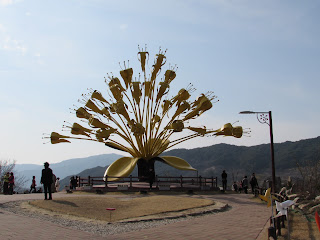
x=243 y=185
x=73 y=183
x=8 y=183
x=48 y=179
x=55 y=185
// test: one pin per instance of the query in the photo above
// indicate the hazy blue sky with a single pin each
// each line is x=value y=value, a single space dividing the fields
x=255 y=55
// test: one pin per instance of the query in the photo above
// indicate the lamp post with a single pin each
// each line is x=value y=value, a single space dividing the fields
x=265 y=117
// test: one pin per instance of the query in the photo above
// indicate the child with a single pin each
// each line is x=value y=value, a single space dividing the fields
x=235 y=187
x=33 y=185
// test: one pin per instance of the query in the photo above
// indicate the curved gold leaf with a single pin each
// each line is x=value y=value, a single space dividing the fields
x=177 y=162
x=120 y=168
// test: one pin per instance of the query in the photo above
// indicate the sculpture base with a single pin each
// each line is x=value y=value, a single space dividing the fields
x=146 y=170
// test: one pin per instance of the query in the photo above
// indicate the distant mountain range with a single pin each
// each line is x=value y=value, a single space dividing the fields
x=64 y=168
x=209 y=161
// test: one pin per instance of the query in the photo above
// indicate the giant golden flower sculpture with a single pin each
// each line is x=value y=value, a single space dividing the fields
x=142 y=114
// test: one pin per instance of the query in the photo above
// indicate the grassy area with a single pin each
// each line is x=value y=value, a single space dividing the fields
x=300 y=228
x=127 y=207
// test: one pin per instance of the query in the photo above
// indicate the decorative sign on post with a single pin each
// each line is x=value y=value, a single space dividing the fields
x=140 y=112
x=110 y=211
x=269 y=199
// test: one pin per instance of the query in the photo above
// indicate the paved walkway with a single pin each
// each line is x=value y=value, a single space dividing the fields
x=245 y=220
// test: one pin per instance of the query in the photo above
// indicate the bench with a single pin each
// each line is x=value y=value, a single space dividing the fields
x=164 y=186
x=123 y=187
x=205 y=187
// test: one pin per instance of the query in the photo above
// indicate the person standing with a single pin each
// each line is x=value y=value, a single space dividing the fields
x=253 y=183
x=6 y=183
x=33 y=185
x=11 y=183
x=245 y=184
x=224 y=177
x=46 y=180
x=74 y=183
x=53 y=185
x=151 y=177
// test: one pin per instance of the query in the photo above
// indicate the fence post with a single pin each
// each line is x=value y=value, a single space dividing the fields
x=212 y=181
x=157 y=181
x=106 y=182
x=216 y=181
x=200 y=181
x=181 y=181
x=89 y=180
x=278 y=227
x=130 y=181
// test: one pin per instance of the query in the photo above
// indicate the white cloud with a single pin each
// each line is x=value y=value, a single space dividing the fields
x=10 y=44
x=39 y=59
x=123 y=27
x=6 y=2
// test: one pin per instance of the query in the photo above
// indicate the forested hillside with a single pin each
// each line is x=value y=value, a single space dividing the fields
x=237 y=160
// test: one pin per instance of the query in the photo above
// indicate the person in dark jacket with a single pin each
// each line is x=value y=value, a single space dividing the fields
x=253 y=183
x=245 y=184
x=11 y=183
x=46 y=180
x=151 y=177
x=224 y=177
x=6 y=183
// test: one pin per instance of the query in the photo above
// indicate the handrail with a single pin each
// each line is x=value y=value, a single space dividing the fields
x=196 y=181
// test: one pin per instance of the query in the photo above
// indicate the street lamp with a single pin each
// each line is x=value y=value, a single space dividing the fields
x=265 y=117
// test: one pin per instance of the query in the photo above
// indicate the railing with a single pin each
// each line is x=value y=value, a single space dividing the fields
x=182 y=182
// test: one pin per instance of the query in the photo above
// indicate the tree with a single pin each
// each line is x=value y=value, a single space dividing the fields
x=8 y=166
x=310 y=173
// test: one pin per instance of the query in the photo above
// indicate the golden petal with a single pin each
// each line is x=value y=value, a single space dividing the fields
x=177 y=162
x=120 y=168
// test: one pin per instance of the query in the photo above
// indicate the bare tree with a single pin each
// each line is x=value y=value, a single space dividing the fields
x=8 y=166
x=237 y=174
x=310 y=173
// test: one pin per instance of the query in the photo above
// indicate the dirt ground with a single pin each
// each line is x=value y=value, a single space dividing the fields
x=126 y=207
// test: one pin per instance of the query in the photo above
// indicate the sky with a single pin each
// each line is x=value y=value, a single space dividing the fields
x=254 y=55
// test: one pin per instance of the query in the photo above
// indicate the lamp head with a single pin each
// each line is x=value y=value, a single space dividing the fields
x=246 y=112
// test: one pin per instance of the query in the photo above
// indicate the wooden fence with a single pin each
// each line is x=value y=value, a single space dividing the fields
x=204 y=183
